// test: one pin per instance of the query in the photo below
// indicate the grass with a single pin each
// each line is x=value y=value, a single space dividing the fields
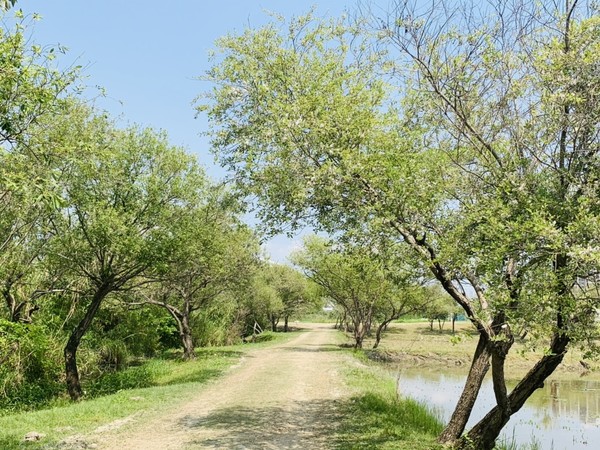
x=161 y=384
x=376 y=418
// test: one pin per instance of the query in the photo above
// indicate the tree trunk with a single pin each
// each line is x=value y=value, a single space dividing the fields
x=185 y=332
x=274 y=322
x=70 y=352
x=285 y=324
x=380 y=329
x=358 y=341
x=484 y=434
x=479 y=367
x=359 y=335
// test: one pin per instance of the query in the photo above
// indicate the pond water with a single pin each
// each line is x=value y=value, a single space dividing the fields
x=564 y=415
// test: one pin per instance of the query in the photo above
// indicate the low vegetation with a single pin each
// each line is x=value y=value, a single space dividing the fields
x=151 y=388
x=375 y=418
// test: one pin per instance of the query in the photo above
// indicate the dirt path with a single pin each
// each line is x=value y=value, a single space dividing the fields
x=282 y=397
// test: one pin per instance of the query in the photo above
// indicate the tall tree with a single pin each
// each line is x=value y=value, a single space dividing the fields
x=359 y=282
x=125 y=191
x=483 y=161
x=292 y=289
x=32 y=93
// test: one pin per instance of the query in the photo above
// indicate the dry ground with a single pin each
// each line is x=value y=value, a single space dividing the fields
x=285 y=396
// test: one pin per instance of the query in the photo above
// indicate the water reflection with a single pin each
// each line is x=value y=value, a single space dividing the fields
x=564 y=415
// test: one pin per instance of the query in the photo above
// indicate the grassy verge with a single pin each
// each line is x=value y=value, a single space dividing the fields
x=376 y=418
x=147 y=390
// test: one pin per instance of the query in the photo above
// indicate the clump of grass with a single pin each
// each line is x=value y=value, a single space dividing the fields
x=511 y=444
x=376 y=422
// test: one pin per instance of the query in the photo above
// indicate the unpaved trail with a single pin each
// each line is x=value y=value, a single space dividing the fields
x=282 y=397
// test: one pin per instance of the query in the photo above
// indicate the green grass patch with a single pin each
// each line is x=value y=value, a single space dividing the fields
x=145 y=390
x=377 y=419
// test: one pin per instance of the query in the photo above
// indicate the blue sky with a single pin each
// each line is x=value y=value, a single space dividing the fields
x=148 y=54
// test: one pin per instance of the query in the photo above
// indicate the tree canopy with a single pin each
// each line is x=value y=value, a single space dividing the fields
x=469 y=137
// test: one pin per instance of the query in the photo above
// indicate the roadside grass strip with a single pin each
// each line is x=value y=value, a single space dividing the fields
x=375 y=418
x=137 y=393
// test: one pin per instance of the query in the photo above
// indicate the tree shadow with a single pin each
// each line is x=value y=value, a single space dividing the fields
x=302 y=425
x=209 y=352
x=198 y=376
x=396 y=329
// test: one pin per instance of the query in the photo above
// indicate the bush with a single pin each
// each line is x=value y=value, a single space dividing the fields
x=30 y=366
x=111 y=382
x=113 y=355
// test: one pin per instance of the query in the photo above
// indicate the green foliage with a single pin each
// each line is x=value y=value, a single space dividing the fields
x=216 y=324
x=112 y=381
x=472 y=141
x=7 y=4
x=30 y=369
x=113 y=355
x=366 y=283
x=277 y=292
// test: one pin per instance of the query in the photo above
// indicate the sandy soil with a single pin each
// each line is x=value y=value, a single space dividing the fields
x=282 y=397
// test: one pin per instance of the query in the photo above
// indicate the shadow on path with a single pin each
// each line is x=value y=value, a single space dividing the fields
x=304 y=425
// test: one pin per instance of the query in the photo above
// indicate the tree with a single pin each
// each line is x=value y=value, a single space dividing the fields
x=358 y=282
x=292 y=289
x=124 y=192
x=32 y=93
x=482 y=160
x=262 y=303
x=440 y=308
x=277 y=292
x=214 y=253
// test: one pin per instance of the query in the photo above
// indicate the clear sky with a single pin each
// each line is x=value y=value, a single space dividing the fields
x=148 y=54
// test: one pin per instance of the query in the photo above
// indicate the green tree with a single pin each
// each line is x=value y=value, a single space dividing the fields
x=214 y=253
x=262 y=304
x=482 y=159
x=293 y=291
x=440 y=308
x=32 y=93
x=124 y=192
x=359 y=282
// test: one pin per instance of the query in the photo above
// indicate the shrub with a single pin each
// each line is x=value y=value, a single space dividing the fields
x=30 y=365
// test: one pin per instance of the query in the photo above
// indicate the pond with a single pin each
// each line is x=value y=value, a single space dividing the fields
x=564 y=415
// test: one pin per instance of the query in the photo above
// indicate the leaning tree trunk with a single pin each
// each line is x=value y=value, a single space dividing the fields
x=484 y=434
x=479 y=367
x=380 y=329
x=70 y=352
